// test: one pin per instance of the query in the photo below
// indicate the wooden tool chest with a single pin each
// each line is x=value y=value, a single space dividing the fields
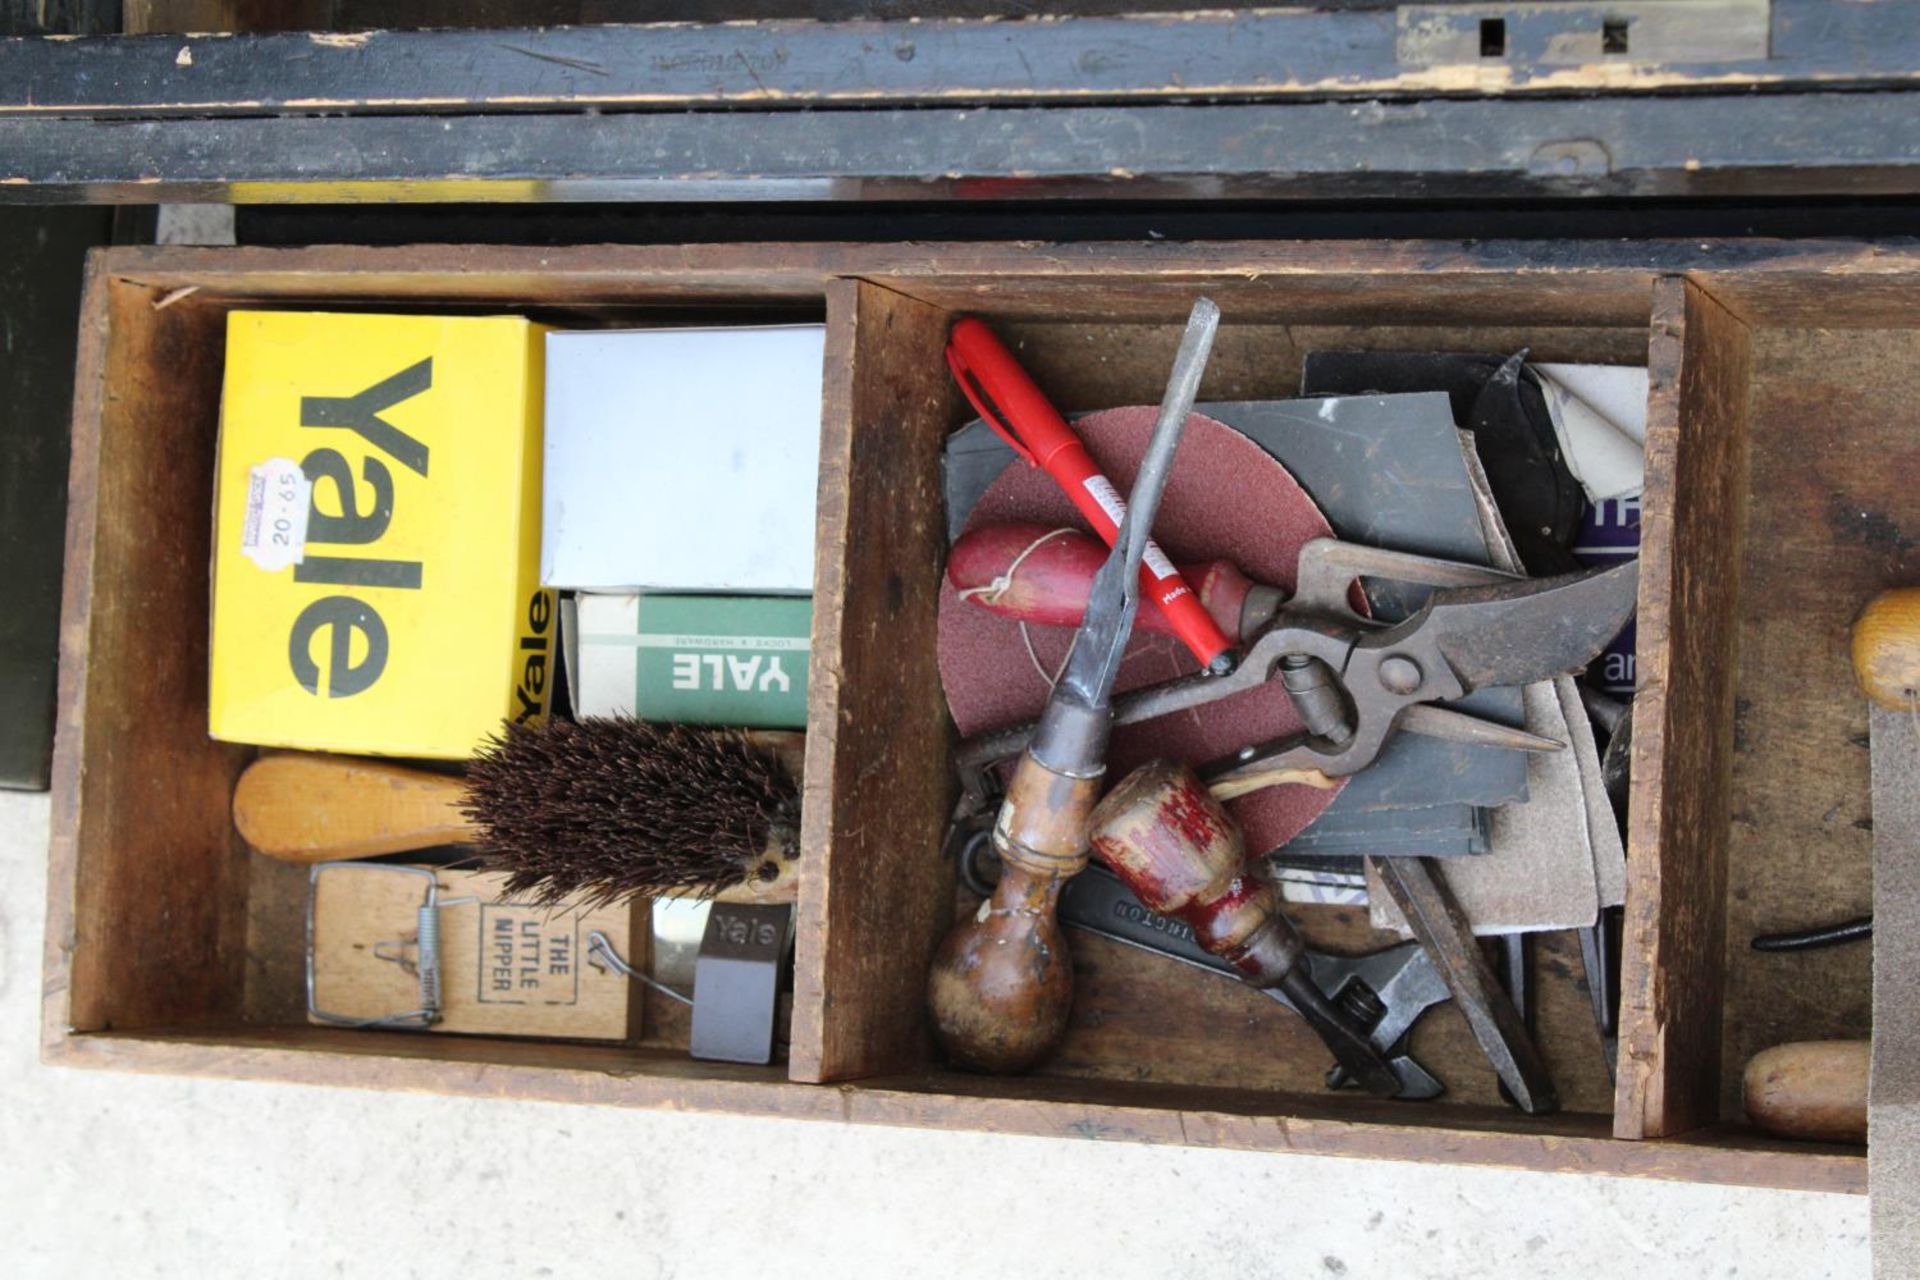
x=1783 y=438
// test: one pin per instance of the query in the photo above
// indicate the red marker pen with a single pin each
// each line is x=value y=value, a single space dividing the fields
x=1017 y=409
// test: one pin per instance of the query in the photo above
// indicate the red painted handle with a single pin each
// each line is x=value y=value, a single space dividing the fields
x=1013 y=406
x=1035 y=573
x=1165 y=835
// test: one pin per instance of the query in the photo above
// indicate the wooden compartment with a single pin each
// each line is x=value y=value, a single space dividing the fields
x=169 y=947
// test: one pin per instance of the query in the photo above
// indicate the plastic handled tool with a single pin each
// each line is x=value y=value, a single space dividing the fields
x=1168 y=839
x=1019 y=411
x=1001 y=985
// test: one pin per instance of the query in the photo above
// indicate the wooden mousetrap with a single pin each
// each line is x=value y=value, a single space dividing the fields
x=428 y=949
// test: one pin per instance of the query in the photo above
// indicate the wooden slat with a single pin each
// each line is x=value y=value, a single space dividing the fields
x=1699 y=364
x=147 y=914
x=953 y=274
x=1119 y=1112
x=874 y=893
x=1296 y=51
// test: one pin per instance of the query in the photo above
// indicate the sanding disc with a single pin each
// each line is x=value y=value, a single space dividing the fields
x=1226 y=499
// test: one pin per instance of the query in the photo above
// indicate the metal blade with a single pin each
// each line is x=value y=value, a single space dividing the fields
x=1115 y=595
x=1327 y=567
x=1457 y=726
x=1520 y=632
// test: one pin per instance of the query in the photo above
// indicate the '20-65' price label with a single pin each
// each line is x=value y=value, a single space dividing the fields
x=274 y=533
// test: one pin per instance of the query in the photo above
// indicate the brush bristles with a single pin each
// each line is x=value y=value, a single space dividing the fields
x=608 y=809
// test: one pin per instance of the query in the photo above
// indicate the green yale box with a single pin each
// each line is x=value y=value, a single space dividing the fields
x=719 y=660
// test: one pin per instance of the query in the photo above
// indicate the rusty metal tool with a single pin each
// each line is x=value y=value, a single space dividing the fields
x=1420 y=891
x=1355 y=686
x=1325 y=652
x=1001 y=984
x=1030 y=573
x=1385 y=992
x=1356 y=683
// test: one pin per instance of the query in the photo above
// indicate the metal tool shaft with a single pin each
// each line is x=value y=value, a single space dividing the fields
x=1115 y=596
x=1001 y=984
x=1443 y=929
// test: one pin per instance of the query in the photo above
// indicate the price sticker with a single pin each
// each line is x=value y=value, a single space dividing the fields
x=279 y=497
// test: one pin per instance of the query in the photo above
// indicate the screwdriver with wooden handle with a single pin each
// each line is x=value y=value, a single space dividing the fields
x=1817 y=1089
x=1001 y=984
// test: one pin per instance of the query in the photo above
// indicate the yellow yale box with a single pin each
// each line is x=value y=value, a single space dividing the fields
x=377 y=533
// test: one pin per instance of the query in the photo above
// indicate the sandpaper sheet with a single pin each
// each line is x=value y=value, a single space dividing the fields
x=1435 y=831
x=1893 y=1097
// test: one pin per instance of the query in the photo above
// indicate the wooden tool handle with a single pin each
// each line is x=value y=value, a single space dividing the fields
x=1044 y=574
x=1001 y=985
x=313 y=808
x=309 y=808
x=1815 y=1090
x=1245 y=784
x=1167 y=837
x=1886 y=648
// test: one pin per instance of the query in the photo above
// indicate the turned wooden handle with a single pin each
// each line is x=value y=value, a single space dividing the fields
x=1167 y=837
x=313 y=808
x=1044 y=574
x=1886 y=648
x=1001 y=985
x=1815 y=1090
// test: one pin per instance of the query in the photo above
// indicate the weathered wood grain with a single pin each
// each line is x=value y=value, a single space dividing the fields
x=146 y=925
x=1834 y=519
x=1292 y=52
x=1700 y=369
x=1453 y=282
x=1118 y=1112
x=874 y=892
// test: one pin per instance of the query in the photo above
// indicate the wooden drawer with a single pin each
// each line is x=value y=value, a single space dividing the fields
x=1781 y=455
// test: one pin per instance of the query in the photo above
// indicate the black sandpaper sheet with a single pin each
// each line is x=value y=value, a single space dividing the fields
x=1386 y=471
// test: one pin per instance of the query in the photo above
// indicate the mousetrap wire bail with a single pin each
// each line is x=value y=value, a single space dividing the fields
x=421 y=955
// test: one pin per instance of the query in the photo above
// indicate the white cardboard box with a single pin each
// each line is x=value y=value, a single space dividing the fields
x=682 y=459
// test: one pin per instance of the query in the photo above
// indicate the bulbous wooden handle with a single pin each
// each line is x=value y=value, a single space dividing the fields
x=1001 y=985
x=1886 y=648
x=1815 y=1090
x=1166 y=835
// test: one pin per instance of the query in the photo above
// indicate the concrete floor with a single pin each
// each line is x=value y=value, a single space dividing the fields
x=108 y=1174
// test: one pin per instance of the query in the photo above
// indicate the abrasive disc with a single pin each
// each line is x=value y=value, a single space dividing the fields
x=1226 y=499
